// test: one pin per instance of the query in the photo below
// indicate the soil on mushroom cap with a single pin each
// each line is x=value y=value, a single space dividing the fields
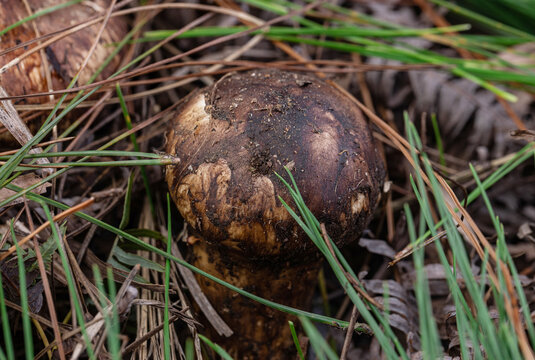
x=234 y=136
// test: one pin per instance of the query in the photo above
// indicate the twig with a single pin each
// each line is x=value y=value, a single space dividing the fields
x=10 y=118
x=46 y=287
x=334 y=67
x=37 y=317
x=55 y=141
x=349 y=334
x=147 y=336
x=356 y=283
x=123 y=300
x=206 y=307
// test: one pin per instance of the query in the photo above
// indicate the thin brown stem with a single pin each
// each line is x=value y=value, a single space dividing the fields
x=349 y=333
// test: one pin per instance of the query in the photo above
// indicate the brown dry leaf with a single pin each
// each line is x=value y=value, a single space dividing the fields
x=520 y=55
x=528 y=135
x=436 y=277
x=420 y=356
x=526 y=231
x=24 y=181
x=401 y=305
x=34 y=287
x=460 y=105
x=454 y=347
x=465 y=111
x=379 y=247
x=523 y=249
x=393 y=11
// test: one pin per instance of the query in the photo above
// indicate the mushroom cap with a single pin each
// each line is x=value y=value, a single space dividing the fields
x=64 y=56
x=234 y=135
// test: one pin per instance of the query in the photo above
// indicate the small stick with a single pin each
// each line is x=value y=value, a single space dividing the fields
x=124 y=298
x=46 y=288
x=349 y=334
x=206 y=307
x=10 y=118
x=147 y=336
x=350 y=278
x=46 y=143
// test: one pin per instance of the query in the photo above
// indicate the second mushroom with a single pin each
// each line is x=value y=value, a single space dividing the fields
x=231 y=138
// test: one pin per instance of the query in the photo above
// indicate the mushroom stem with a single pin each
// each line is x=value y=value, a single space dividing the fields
x=260 y=332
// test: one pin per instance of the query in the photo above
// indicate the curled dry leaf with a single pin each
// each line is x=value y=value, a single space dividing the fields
x=10 y=278
x=436 y=277
x=420 y=356
x=24 y=181
x=379 y=247
x=463 y=109
x=520 y=55
x=401 y=305
x=526 y=231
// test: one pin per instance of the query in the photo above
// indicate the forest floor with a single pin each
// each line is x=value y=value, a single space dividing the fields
x=92 y=251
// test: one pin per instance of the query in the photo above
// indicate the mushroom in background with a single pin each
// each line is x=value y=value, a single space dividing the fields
x=231 y=138
x=64 y=57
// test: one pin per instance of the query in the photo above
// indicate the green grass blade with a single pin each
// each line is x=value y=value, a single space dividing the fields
x=483 y=19
x=88 y=154
x=484 y=84
x=26 y=326
x=508 y=259
x=311 y=226
x=125 y=219
x=112 y=329
x=296 y=340
x=218 y=349
x=521 y=156
x=113 y=326
x=342 y=31
x=116 y=163
x=70 y=282
x=438 y=139
x=8 y=341
x=428 y=329
x=189 y=349
x=318 y=343
x=133 y=139
x=488 y=336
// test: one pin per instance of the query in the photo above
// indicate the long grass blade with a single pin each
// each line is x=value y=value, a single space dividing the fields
x=8 y=340
x=26 y=326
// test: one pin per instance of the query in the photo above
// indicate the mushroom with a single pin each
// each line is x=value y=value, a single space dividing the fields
x=231 y=138
x=64 y=57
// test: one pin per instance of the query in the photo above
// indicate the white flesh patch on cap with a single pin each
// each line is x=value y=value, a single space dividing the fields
x=358 y=204
x=195 y=115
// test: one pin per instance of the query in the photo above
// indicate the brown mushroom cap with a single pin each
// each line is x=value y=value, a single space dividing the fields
x=64 y=56
x=234 y=135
